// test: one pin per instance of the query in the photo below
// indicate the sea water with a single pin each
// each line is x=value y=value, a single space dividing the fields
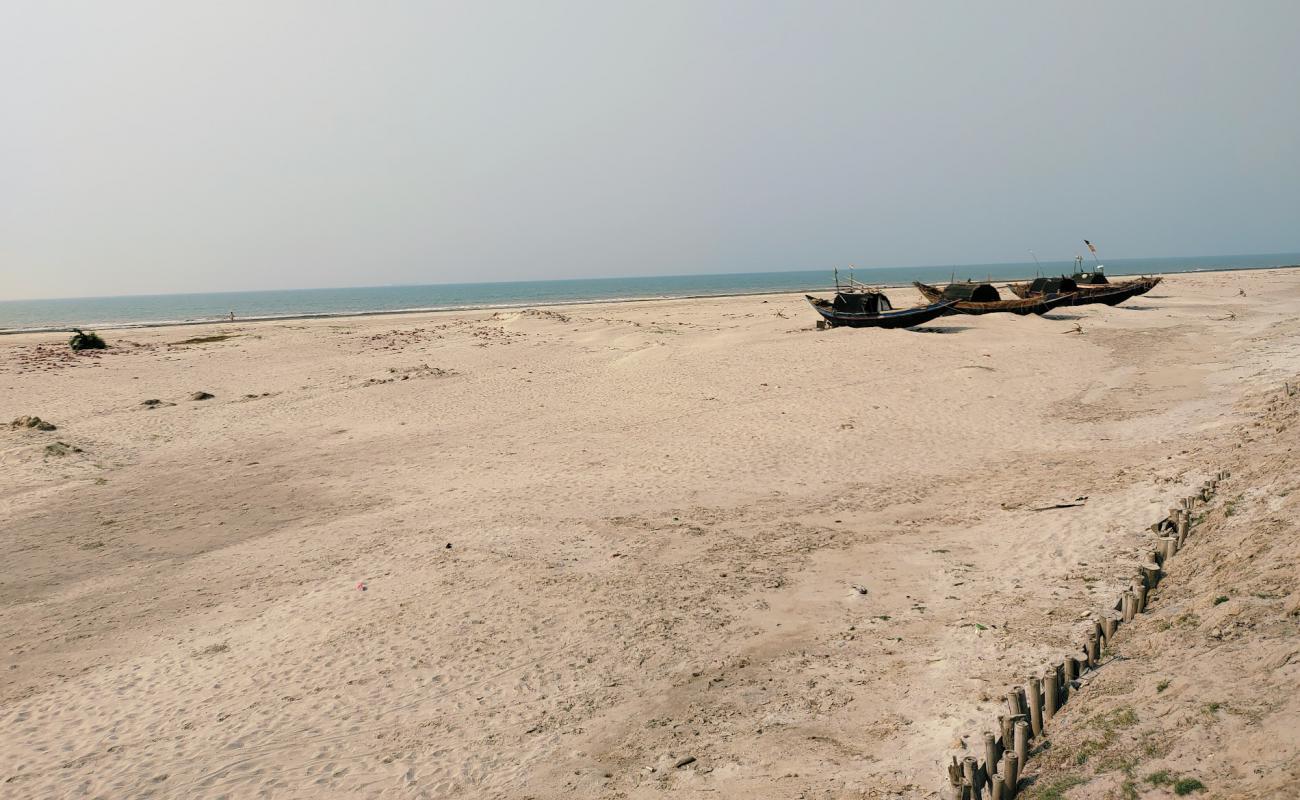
x=92 y=312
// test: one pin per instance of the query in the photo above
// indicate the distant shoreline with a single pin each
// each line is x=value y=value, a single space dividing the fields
x=117 y=326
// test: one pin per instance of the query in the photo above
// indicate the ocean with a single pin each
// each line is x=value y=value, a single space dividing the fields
x=181 y=309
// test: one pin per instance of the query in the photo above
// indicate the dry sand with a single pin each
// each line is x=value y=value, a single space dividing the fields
x=1198 y=695
x=595 y=541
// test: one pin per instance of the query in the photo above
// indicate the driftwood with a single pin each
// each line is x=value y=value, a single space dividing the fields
x=1078 y=501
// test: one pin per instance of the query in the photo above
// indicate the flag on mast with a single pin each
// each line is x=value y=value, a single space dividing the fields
x=1090 y=247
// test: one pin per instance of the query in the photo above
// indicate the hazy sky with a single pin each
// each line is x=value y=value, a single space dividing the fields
x=193 y=146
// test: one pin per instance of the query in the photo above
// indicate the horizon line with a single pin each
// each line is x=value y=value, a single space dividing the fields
x=623 y=277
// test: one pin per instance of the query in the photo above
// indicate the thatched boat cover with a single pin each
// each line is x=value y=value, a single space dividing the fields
x=862 y=303
x=1061 y=285
x=971 y=292
x=1090 y=278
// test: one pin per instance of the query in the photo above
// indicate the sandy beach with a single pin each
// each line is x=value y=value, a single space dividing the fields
x=690 y=548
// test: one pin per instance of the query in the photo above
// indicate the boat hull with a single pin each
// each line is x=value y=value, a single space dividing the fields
x=1023 y=306
x=1110 y=294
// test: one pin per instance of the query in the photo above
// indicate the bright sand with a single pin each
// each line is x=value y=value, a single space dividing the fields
x=594 y=541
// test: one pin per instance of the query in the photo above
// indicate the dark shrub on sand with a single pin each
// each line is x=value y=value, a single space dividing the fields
x=35 y=423
x=86 y=341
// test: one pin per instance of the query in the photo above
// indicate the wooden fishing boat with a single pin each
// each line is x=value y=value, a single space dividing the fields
x=1096 y=282
x=857 y=305
x=983 y=298
x=1091 y=286
x=1109 y=293
x=863 y=308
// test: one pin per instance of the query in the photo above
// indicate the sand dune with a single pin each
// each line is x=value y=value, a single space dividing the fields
x=596 y=541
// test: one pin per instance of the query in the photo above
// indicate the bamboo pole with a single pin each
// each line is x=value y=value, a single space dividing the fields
x=1011 y=774
x=1004 y=725
x=1013 y=703
x=1151 y=571
x=996 y=788
x=1108 y=625
x=1034 y=694
x=1022 y=742
x=1093 y=651
x=1051 y=695
x=990 y=754
x=1063 y=670
x=970 y=775
x=1139 y=597
x=1168 y=548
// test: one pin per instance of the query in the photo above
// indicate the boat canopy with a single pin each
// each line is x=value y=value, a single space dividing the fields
x=1090 y=278
x=971 y=292
x=861 y=303
x=1061 y=285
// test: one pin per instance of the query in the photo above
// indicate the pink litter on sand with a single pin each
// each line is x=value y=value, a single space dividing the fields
x=361 y=586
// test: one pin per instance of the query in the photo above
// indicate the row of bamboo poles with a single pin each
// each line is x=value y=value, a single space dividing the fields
x=1031 y=707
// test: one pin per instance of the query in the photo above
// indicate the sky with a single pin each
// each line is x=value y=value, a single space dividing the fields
x=154 y=147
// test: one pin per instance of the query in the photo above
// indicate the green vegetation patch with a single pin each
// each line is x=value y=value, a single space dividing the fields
x=1161 y=778
x=1181 y=786
x=86 y=341
x=1056 y=789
